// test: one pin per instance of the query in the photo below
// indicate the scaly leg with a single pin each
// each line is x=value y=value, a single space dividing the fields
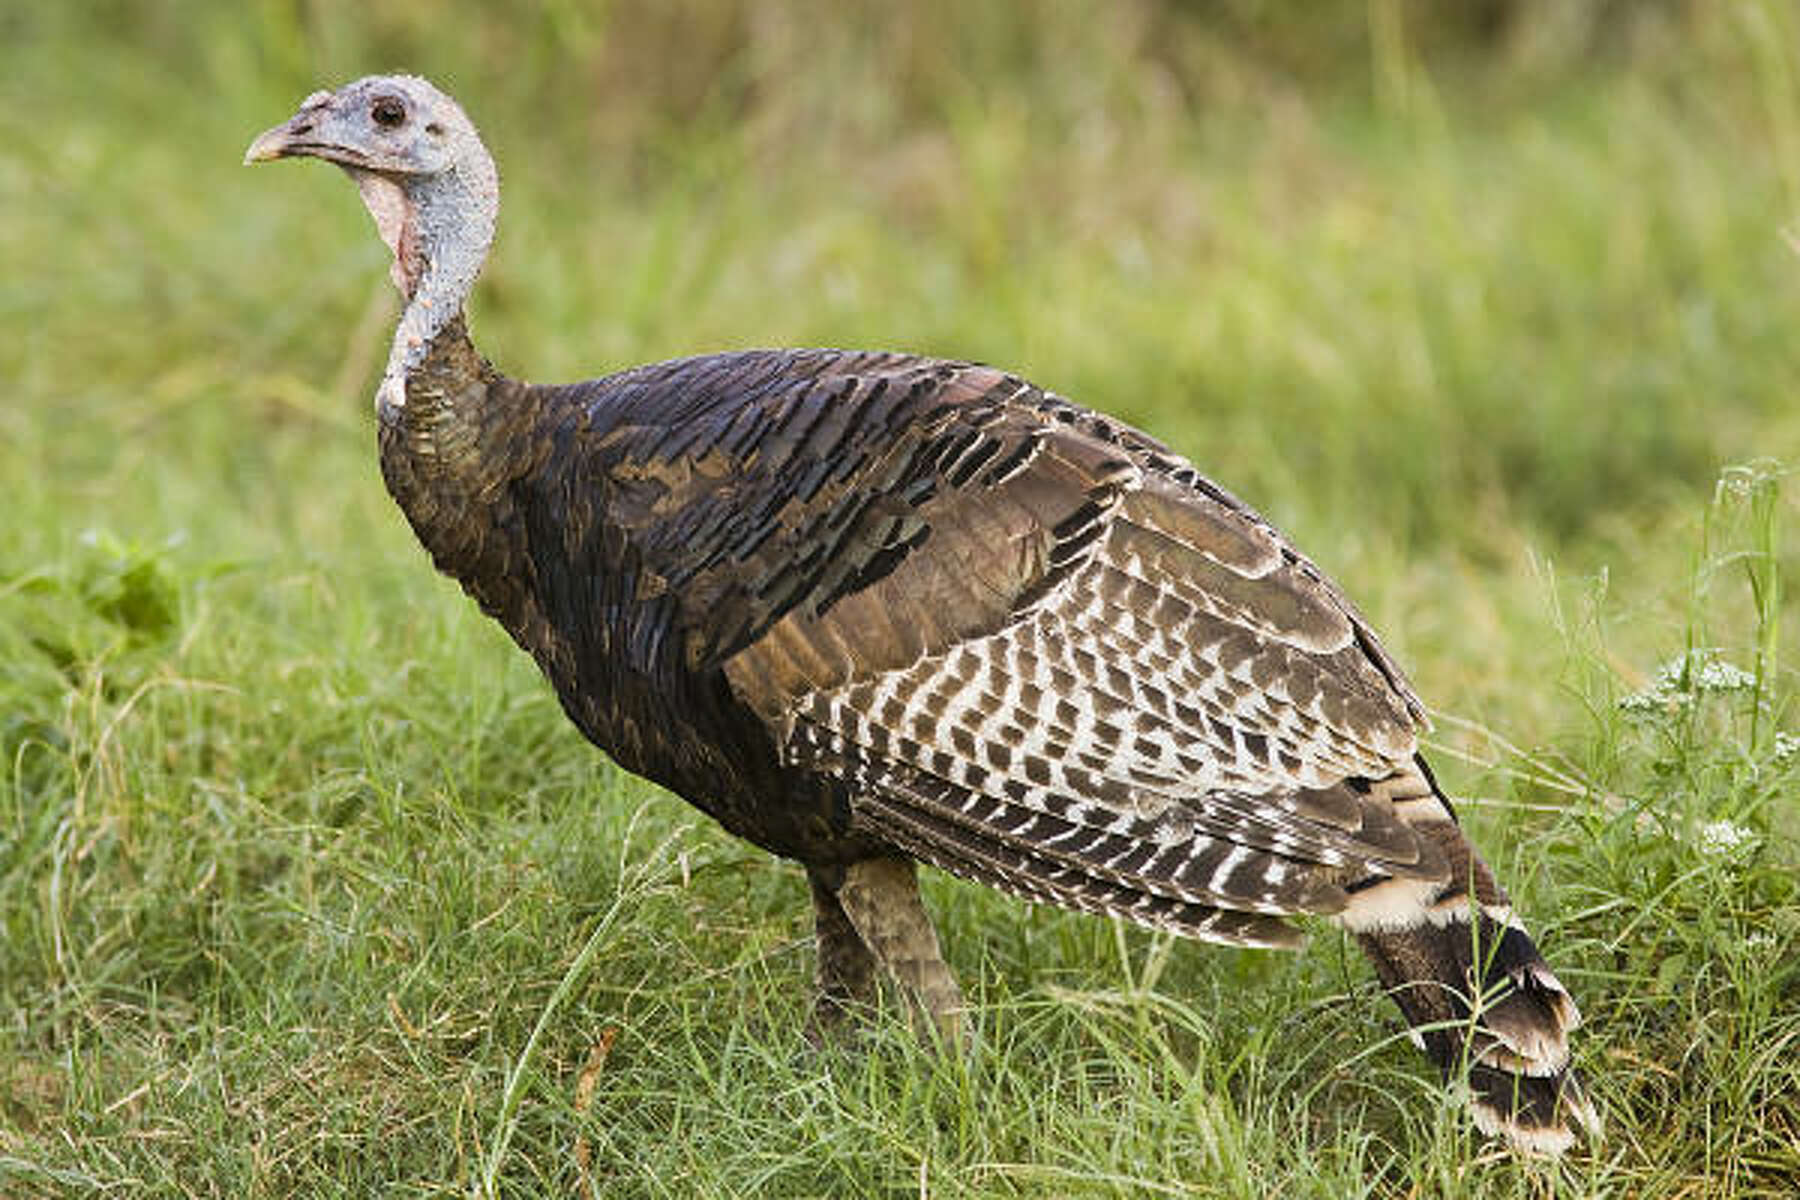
x=880 y=897
x=846 y=968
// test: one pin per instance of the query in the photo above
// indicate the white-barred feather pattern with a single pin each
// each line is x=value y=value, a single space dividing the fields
x=1081 y=732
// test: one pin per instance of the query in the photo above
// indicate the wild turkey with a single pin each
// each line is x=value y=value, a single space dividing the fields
x=866 y=609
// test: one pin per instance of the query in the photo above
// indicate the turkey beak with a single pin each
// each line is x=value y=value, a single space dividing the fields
x=272 y=143
x=293 y=136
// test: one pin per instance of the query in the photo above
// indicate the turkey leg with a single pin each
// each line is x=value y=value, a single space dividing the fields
x=879 y=903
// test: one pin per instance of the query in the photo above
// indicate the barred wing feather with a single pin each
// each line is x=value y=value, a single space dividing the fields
x=1090 y=682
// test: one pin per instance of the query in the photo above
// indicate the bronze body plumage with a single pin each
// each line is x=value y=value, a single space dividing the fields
x=867 y=608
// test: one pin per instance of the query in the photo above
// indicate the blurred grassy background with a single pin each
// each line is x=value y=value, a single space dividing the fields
x=1508 y=275
x=1477 y=300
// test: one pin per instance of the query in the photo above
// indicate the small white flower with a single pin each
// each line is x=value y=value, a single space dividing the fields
x=1679 y=680
x=1717 y=675
x=1722 y=837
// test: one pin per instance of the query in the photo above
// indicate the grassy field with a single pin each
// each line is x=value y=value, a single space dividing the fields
x=306 y=887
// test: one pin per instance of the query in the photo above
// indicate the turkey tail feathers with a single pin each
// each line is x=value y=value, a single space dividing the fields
x=1480 y=999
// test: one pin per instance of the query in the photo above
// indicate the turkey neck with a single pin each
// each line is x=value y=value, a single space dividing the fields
x=450 y=425
x=439 y=228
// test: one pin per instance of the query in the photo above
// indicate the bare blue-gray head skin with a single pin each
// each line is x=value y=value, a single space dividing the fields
x=427 y=180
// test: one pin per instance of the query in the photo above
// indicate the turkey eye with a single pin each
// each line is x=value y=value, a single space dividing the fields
x=388 y=112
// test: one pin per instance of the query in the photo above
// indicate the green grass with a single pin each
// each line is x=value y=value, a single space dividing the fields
x=307 y=888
